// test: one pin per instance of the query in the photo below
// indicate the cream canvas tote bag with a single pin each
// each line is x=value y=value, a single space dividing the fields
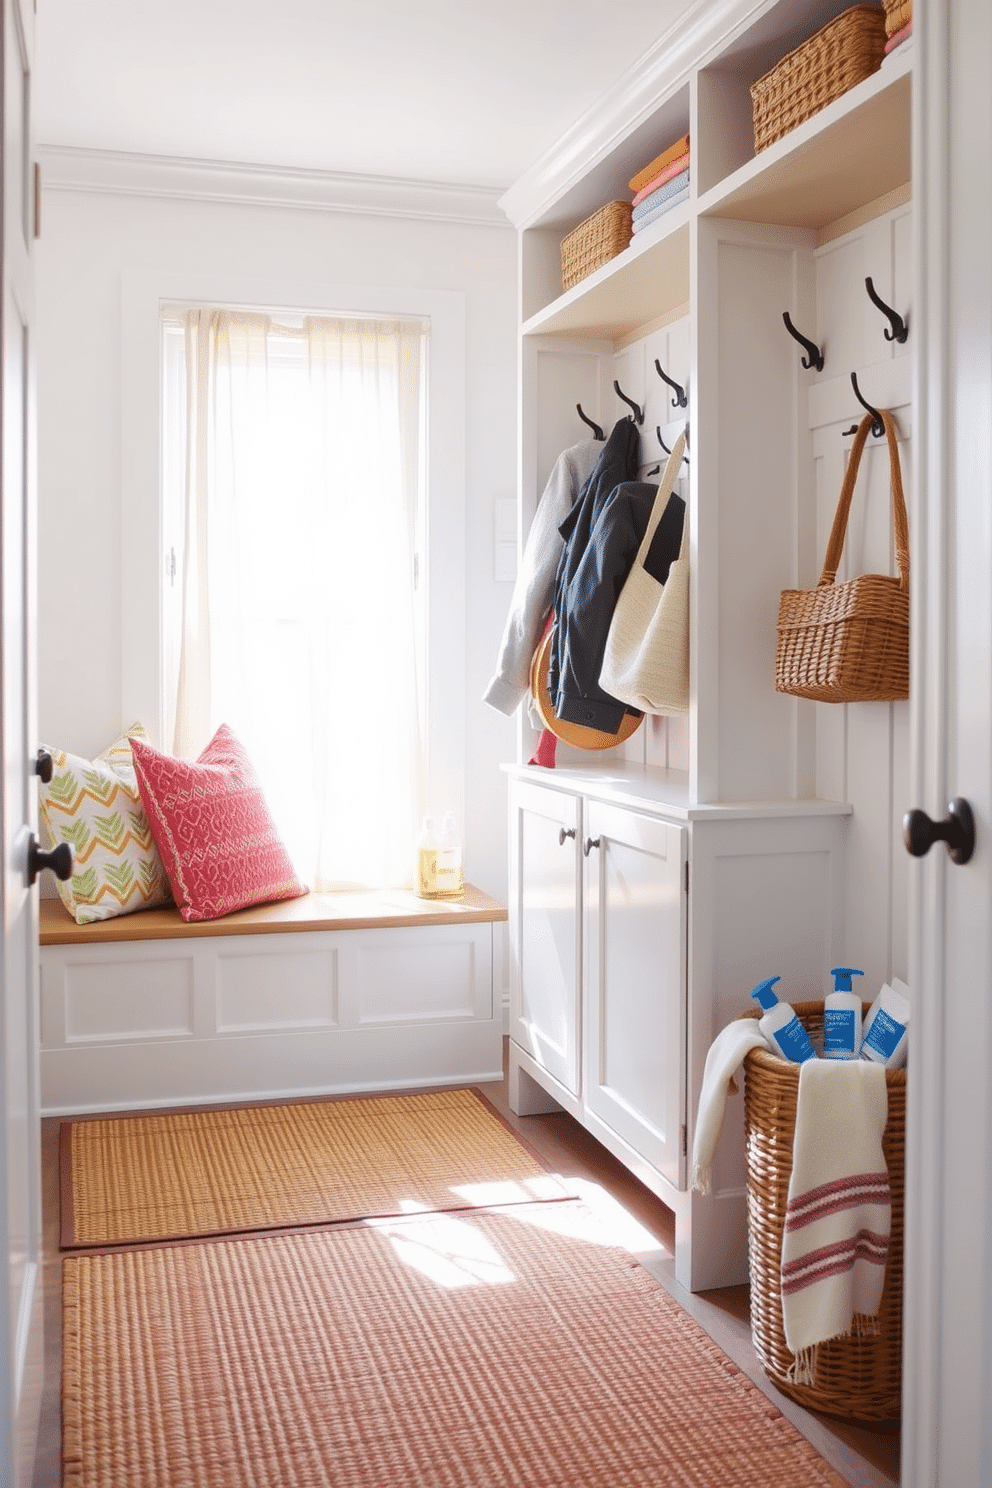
x=646 y=661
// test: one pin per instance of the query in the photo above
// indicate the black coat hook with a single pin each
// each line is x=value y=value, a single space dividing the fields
x=899 y=327
x=665 y=446
x=877 y=427
x=596 y=430
x=815 y=355
x=680 y=400
x=638 y=413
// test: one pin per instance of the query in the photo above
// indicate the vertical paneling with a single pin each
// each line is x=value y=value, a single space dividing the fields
x=758 y=495
x=628 y=374
x=562 y=377
x=661 y=742
x=842 y=304
x=862 y=750
x=902 y=269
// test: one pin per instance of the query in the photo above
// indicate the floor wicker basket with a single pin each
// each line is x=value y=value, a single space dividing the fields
x=846 y=51
x=857 y=1377
x=595 y=241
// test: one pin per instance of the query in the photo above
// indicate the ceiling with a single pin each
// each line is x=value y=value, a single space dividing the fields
x=468 y=92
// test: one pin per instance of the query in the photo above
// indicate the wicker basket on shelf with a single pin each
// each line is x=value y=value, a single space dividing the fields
x=847 y=50
x=898 y=13
x=595 y=241
x=857 y=1377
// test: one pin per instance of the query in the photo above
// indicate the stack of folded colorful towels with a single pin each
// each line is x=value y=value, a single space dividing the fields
x=662 y=184
x=898 y=24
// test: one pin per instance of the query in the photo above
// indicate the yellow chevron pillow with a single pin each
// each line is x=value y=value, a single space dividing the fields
x=94 y=805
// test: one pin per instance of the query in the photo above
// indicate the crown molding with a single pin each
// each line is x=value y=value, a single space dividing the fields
x=118 y=173
x=633 y=98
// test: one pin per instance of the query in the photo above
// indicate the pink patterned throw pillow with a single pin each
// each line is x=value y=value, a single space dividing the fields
x=213 y=830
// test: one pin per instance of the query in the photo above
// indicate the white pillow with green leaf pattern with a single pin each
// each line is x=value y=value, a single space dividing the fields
x=94 y=805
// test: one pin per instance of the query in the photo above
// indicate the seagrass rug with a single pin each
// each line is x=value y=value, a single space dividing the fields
x=134 y=1179
x=510 y=1348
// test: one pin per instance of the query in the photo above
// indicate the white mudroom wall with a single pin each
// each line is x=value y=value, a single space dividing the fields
x=107 y=220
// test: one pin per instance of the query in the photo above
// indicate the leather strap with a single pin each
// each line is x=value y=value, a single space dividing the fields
x=665 y=489
x=835 y=545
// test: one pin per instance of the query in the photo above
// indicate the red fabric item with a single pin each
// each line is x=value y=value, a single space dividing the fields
x=545 y=753
x=675 y=169
x=898 y=37
x=212 y=827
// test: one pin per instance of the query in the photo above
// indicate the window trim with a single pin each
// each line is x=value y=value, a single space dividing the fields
x=142 y=534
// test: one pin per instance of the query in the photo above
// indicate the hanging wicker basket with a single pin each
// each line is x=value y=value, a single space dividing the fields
x=849 y=642
x=847 y=50
x=857 y=1377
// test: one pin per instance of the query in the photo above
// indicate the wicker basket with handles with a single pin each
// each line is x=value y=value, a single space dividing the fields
x=846 y=51
x=856 y=1377
x=849 y=642
x=595 y=241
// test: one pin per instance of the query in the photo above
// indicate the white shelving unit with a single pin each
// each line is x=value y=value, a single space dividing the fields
x=653 y=887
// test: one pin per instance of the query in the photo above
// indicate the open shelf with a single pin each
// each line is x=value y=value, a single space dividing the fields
x=647 y=280
x=851 y=153
x=854 y=151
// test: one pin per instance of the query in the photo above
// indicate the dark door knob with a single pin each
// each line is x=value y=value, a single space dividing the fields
x=44 y=765
x=957 y=830
x=59 y=860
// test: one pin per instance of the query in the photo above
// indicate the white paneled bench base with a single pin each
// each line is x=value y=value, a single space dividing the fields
x=325 y=994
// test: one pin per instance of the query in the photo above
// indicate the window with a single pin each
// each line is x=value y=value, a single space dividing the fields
x=294 y=478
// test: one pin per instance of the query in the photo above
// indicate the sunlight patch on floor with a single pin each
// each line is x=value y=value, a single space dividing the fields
x=508 y=1191
x=601 y=1220
x=451 y=1252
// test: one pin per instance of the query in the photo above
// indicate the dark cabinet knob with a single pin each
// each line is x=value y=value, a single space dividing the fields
x=43 y=765
x=589 y=844
x=957 y=830
x=59 y=860
x=564 y=832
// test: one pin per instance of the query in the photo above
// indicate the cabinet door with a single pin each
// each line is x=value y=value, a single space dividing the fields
x=545 y=929
x=635 y=975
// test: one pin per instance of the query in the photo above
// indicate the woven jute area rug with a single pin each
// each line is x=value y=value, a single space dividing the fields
x=512 y=1348
x=128 y=1180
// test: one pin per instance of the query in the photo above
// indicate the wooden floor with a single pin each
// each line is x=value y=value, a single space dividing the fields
x=866 y=1457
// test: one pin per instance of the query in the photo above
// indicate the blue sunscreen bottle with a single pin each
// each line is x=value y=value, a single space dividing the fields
x=842 y=1016
x=887 y=1027
x=780 y=1025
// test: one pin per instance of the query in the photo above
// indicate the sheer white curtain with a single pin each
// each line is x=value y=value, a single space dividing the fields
x=300 y=628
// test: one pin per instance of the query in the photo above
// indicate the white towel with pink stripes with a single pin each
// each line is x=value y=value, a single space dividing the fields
x=839 y=1211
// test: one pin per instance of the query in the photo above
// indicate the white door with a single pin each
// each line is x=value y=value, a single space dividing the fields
x=635 y=982
x=947 y=1408
x=545 y=929
x=20 y=1226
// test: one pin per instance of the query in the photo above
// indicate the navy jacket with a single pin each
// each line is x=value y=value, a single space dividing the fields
x=617 y=462
x=590 y=597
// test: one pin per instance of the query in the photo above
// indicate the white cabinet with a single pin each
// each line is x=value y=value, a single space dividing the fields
x=634 y=933
x=634 y=942
x=545 y=931
x=785 y=813
x=597 y=1009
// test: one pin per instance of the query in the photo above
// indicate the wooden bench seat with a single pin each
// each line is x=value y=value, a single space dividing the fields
x=358 y=990
x=364 y=909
